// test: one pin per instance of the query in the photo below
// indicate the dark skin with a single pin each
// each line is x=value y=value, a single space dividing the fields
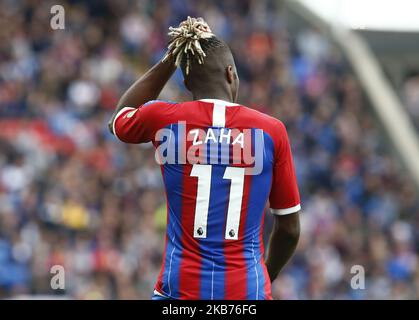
x=226 y=92
x=282 y=243
x=221 y=83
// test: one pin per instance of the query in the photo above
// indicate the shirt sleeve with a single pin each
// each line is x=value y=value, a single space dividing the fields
x=284 y=197
x=137 y=125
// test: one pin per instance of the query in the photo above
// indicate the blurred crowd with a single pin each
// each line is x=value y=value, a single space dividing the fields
x=72 y=195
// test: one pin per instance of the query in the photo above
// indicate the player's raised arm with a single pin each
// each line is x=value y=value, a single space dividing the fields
x=183 y=42
x=138 y=114
x=147 y=88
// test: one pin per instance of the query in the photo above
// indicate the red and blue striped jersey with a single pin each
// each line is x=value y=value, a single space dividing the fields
x=221 y=163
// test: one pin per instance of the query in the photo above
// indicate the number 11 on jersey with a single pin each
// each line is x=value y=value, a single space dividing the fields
x=203 y=173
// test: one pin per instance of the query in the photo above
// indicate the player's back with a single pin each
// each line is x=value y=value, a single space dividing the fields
x=220 y=163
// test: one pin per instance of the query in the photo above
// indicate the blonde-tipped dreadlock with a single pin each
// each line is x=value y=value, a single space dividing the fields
x=184 y=43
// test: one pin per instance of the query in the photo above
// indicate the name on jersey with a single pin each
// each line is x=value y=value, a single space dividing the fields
x=223 y=135
x=181 y=144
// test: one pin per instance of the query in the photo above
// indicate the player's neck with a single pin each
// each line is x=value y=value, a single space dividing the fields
x=213 y=95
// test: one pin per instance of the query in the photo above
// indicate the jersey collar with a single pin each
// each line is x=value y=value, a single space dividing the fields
x=218 y=101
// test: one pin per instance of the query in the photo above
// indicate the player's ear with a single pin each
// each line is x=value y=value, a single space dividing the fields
x=233 y=81
x=230 y=74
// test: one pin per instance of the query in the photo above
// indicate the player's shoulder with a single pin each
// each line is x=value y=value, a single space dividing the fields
x=262 y=120
x=158 y=109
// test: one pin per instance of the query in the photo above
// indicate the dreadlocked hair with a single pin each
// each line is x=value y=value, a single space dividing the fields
x=190 y=41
